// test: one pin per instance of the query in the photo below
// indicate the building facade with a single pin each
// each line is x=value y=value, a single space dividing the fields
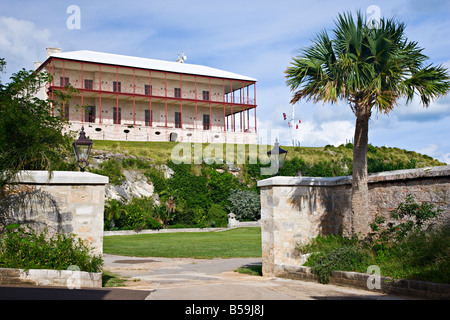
x=130 y=98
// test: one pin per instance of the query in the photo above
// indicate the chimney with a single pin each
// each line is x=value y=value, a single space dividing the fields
x=37 y=64
x=51 y=51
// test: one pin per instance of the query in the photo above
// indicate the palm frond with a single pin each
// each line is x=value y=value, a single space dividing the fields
x=373 y=66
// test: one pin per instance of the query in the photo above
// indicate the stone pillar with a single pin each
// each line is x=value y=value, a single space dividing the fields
x=65 y=202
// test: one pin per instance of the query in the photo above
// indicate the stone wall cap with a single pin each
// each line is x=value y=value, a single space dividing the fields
x=304 y=181
x=60 y=177
x=428 y=172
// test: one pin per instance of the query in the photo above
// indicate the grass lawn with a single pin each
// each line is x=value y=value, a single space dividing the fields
x=240 y=242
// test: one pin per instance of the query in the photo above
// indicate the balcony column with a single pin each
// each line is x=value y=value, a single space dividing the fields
x=100 y=93
x=209 y=98
x=195 y=78
x=254 y=102
x=255 y=121
x=181 y=101
x=150 y=100
x=64 y=82
x=134 y=97
x=243 y=108
x=165 y=90
x=82 y=95
x=117 y=96
x=232 y=98
x=223 y=100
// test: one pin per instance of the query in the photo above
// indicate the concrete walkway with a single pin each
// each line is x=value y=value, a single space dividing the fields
x=204 y=279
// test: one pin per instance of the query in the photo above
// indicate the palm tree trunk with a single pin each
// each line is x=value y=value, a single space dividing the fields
x=358 y=221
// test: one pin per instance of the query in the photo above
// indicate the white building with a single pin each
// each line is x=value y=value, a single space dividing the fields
x=130 y=98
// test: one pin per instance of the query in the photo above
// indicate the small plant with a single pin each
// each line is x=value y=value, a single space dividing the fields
x=112 y=169
x=407 y=217
x=343 y=258
x=25 y=248
x=404 y=245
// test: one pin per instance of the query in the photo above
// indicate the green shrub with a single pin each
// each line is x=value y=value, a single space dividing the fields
x=343 y=258
x=427 y=255
x=24 y=248
x=217 y=216
x=245 y=204
x=408 y=216
x=406 y=247
x=157 y=178
x=112 y=169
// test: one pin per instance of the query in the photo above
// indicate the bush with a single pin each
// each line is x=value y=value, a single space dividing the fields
x=112 y=169
x=245 y=204
x=217 y=216
x=140 y=214
x=402 y=247
x=408 y=216
x=343 y=258
x=26 y=249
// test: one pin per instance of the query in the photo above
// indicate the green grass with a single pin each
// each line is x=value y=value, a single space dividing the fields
x=251 y=270
x=240 y=242
x=110 y=280
x=159 y=152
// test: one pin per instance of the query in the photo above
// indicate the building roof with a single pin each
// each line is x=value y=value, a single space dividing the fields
x=151 y=64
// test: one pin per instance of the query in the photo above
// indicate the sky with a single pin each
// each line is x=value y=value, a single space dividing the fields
x=255 y=38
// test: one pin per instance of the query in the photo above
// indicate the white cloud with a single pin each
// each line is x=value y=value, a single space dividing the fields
x=22 y=43
x=445 y=158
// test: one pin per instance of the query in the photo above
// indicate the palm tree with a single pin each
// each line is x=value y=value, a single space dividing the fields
x=371 y=69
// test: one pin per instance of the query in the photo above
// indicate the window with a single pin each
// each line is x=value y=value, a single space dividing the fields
x=116 y=86
x=117 y=118
x=206 y=122
x=206 y=95
x=63 y=81
x=148 y=119
x=177 y=93
x=89 y=114
x=148 y=90
x=89 y=84
x=177 y=119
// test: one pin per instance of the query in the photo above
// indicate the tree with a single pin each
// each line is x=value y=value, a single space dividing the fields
x=371 y=69
x=31 y=136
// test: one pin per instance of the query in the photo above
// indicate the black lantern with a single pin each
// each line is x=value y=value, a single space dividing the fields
x=82 y=148
x=277 y=156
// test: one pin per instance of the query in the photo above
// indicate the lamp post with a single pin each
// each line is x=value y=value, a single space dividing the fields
x=277 y=156
x=82 y=149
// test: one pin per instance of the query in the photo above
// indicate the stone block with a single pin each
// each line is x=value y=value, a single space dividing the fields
x=79 y=195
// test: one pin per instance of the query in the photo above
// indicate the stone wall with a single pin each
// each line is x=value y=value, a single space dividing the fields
x=65 y=202
x=297 y=209
x=72 y=279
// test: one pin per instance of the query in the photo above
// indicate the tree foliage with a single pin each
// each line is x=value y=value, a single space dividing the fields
x=371 y=69
x=31 y=135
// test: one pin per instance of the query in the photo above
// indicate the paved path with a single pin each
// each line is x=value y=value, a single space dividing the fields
x=201 y=279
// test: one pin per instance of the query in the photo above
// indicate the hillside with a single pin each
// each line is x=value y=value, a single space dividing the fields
x=338 y=158
x=148 y=190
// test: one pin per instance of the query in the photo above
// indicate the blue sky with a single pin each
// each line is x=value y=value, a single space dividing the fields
x=256 y=38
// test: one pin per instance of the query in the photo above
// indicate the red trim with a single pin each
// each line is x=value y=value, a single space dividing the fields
x=227 y=99
x=117 y=96
x=82 y=96
x=134 y=98
x=181 y=101
x=150 y=99
x=100 y=89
